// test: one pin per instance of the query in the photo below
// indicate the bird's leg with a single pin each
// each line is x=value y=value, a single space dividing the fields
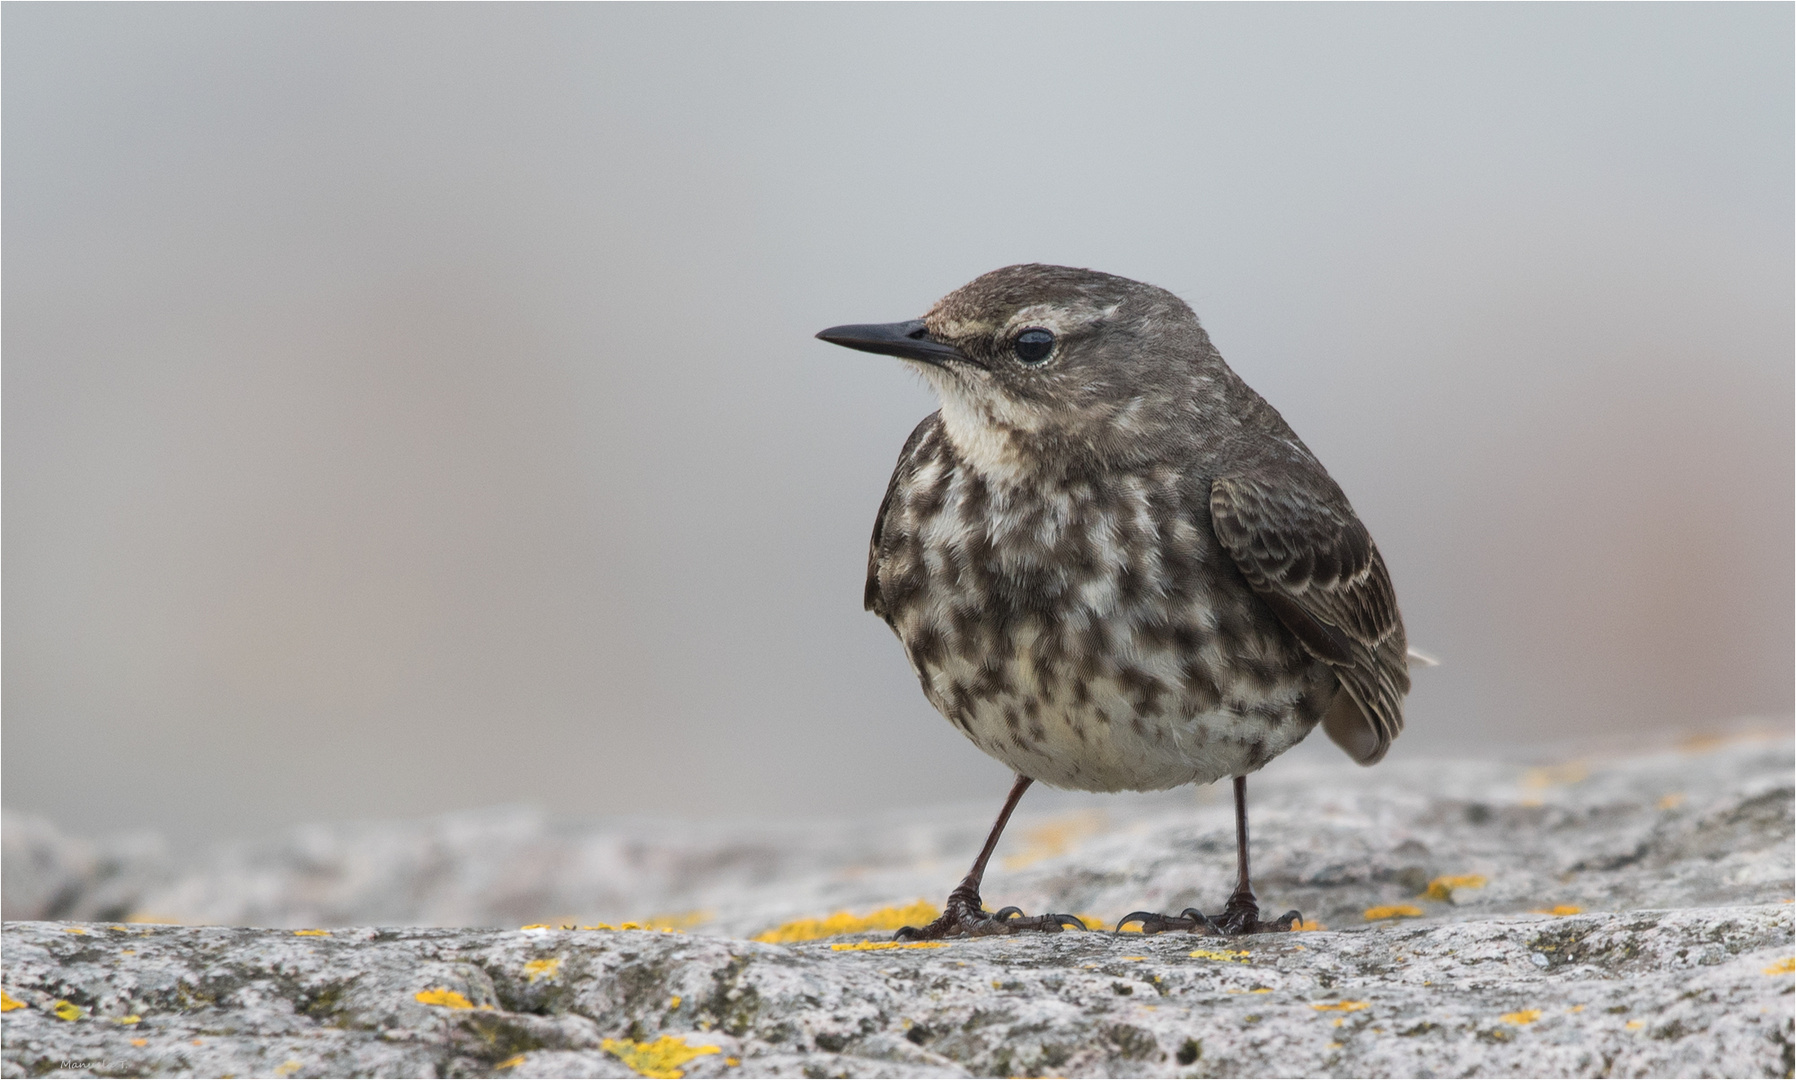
x=1241 y=915
x=964 y=914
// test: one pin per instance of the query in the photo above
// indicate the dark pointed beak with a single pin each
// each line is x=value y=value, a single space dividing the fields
x=907 y=339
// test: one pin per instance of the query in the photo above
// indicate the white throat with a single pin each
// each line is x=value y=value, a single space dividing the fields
x=985 y=446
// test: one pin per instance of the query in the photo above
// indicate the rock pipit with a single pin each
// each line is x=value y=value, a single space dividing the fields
x=1113 y=566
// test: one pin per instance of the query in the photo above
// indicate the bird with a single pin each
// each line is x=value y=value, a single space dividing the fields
x=1113 y=566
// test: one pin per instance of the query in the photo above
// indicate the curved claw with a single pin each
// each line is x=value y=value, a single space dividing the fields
x=1290 y=920
x=1190 y=919
x=1201 y=922
x=1152 y=922
x=1049 y=922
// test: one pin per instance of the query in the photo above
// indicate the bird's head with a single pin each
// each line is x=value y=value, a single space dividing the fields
x=1050 y=361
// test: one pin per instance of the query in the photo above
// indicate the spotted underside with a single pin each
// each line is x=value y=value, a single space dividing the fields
x=1088 y=631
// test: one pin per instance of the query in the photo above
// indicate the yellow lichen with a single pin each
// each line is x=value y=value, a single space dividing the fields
x=536 y=926
x=445 y=997
x=74 y=930
x=140 y=1042
x=678 y=920
x=1392 y=911
x=311 y=933
x=1261 y=990
x=288 y=1067
x=1307 y=924
x=1555 y=775
x=732 y=1062
x=1782 y=967
x=1635 y=1025
x=872 y=946
x=1054 y=838
x=661 y=1059
x=673 y=1002
x=1441 y=888
x=67 y=1010
x=1239 y=956
x=1340 y=1006
x=8 y=1003
x=1560 y=909
x=542 y=969
x=1525 y=1016
x=842 y=922
x=511 y=1062
x=128 y=1020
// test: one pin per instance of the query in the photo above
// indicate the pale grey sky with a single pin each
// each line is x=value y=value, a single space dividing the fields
x=414 y=407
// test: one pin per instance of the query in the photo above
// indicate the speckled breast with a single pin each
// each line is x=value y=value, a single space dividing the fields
x=1090 y=633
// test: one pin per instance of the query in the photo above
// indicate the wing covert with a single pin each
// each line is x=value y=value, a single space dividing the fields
x=1302 y=549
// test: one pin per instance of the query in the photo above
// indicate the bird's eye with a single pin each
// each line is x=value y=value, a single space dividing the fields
x=1033 y=345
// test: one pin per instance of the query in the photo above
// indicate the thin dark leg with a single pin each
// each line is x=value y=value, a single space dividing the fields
x=976 y=876
x=1242 y=903
x=1241 y=915
x=965 y=913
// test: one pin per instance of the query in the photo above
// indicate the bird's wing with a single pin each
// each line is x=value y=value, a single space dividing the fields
x=1307 y=555
x=871 y=599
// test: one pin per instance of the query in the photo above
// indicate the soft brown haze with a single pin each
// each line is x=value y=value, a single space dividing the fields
x=414 y=407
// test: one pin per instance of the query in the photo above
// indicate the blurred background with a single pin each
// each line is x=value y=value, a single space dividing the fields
x=414 y=408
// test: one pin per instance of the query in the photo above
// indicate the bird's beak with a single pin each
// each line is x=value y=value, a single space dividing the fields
x=910 y=340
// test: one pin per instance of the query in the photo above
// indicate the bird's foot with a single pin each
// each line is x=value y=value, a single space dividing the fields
x=1241 y=916
x=1190 y=919
x=965 y=916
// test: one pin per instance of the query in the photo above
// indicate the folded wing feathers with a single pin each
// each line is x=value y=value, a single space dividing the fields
x=1290 y=542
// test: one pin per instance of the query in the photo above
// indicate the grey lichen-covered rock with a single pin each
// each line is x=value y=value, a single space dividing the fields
x=1678 y=964
x=45 y=874
x=1671 y=830
x=1649 y=993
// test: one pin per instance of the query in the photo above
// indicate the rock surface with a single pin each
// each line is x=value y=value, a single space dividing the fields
x=1679 y=963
